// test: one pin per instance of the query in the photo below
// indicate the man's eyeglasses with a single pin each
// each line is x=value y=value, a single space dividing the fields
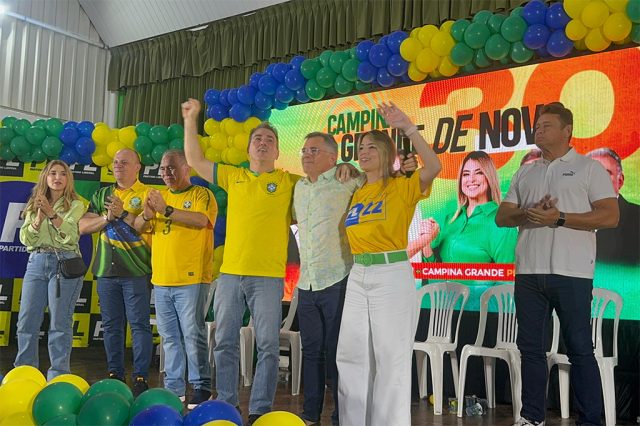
x=313 y=151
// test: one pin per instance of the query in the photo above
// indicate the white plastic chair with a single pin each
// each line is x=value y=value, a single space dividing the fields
x=606 y=364
x=441 y=338
x=505 y=348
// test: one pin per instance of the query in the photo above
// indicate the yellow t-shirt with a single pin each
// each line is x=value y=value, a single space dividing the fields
x=183 y=254
x=379 y=217
x=258 y=220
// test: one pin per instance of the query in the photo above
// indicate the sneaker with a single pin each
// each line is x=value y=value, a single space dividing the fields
x=525 y=422
x=199 y=396
x=139 y=385
x=114 y=376
x=252 y=418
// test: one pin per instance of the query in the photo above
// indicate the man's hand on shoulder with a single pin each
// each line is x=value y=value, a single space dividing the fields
x=346 y=172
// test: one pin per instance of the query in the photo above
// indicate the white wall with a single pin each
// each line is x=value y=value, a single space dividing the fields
x=57 y=69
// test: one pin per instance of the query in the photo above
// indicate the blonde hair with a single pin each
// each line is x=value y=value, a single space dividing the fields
x=386 y=151
x=41 y=188
x=488 y=170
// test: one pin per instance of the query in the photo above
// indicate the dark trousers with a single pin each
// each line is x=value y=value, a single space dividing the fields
x=319 y=315
x=535 y=297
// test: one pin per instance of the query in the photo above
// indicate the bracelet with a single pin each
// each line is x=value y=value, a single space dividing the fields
x=410 y=131
x=144 y=218
x=53 y=217
x=105 y=217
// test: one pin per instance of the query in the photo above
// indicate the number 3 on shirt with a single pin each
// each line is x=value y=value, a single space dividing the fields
x=167 y=227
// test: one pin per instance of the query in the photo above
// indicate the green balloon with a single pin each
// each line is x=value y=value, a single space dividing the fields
x=633 y=11
x=56 y=399
x=635 y=34
x=65 y=420
x=26 y=157
x=326 y=77
x=176 y=131
x=342 y=85
x=108 y=385
x=458 y=28
x=6 y=134
x=476 y=35
x=19 y=145
x=8 y=121
x=461 y=54
x=331 y=91
x=159 y=135
x=517 y=11
x=337 y=60
x=35 y=135
x=469 y=68
x=21 y=126
x=54 y=127
x=482 y=16
x=38 y=155
x=221 y=199
x=40 y=123
x=244 y=165
x=497 y=47
x=352 y=53
x=147 y=159
x=143 y=145
x=520 y=53
x=362 y=86
x=158 y=152
x=480 y=59
x=177 y=144
x=350 y=70
x=105 y=409
x=6 y=153
x=513 y=28
x=309 y=68
x=155 y=396
x=325 y=57
x=314 y=90
x=52 y=146
x=142 y=128
x=495 y=22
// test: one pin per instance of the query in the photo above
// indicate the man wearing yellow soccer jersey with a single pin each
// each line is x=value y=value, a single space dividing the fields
x=122 y=265
x=182 y=219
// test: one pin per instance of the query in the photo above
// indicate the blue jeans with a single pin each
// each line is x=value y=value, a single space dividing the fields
x=263 y=295
x=536 y=295
x=39 y=290
x=130 y=296
x=319 y=315
x=180 y=315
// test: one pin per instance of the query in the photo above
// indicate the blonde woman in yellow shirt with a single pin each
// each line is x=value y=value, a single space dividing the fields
x=379 y=316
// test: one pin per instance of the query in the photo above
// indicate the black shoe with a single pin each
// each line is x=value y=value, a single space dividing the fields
x=114 y=376
x=139 y=385
x=199 y=396
x=253 y=418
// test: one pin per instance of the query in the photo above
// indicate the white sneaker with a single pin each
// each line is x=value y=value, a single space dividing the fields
x=524 y=422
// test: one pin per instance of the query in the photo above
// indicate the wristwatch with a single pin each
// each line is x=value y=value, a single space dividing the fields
x=168 y=211
x=123 y=215
x=560 y=221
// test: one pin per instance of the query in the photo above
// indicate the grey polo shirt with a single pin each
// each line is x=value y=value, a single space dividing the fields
x=576 y=181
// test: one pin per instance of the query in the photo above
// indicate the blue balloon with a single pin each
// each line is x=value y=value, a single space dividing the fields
x=85 y=160
x=268 y=85
x=558 y=44
x=385 y=79
x=294 y=80
x=379 y=55
x=240 y=112
x=69 y=155
x=218 y=112
x=197 y=180
x=269 y=69
x=232 y=96
x=536 y=36
x=362 y=50
x=301 y=96
x=69 y=124
x=280 y=71
x=85 y=146
x=296 y=61
x=395 y=39
x=279 y=105
x=405 y=78
x=397 y=66
x=224 y=98
x=212 y=410
x=262 y=101
x=542 y=52
x=261 y=114
x=220 y=231
x=284 y=94
x=211 y=96
x=383 y=39
x=246 y=94
x=69 y=136
x=366 y=72
x=556 y=17
x=85 y=128
x=254 y=79
x=157 y=415
x=534 y=12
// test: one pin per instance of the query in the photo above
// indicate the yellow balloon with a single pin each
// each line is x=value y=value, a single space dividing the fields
x=235 y=156
x=414 y=73
x=99 y=123
x=219 y=423
x=223 y=156
x=211 y=126
x=212 y=155
x=442 y=43
x=101 y=160
x=250 y=124
x=575 y=30
x=617 y=5
x=594 y=14
x=218 y=141
x=427 y=60
x=410 y=48
x=101 y=135
x=218 y=253
x=414 y=33
x=279 y=418
x=25 y=372
x=617 y=27
x=595 y=40
x=574 y=7
x=626 y=40
x=426 y=33
x=446 y=26
x=204 y=142
x=234 y=127
x=580 y=45
x=224 y=123
x=17 y=396
x=127 y=135
x=241 y=141
x=22 y=419
x=113 y=147
x=76 y=381
x=435 y=74
x=446 y=68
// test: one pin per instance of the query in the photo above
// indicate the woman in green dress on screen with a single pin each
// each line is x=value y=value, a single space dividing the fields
x=469 y=234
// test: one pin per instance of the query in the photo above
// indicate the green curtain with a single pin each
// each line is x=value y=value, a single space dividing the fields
x=157 y=74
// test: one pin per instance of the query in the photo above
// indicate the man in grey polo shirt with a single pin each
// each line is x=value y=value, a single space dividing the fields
x=557 y=202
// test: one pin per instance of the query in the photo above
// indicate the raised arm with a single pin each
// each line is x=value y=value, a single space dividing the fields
x=192 y=150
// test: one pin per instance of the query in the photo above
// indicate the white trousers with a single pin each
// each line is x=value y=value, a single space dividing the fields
x=376 y=342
